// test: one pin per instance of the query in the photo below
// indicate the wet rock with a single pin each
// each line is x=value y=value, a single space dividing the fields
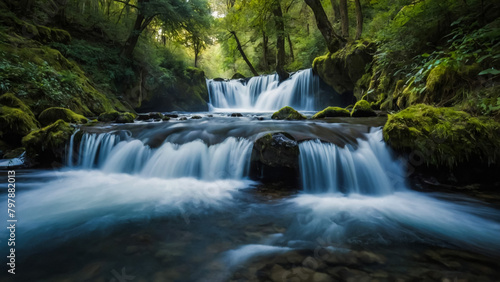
x=172 y=115
x=53 y=114
x=236 y=115
x=332 y=112
x=183 y=118
x=196 y=117
x=114 y=116
x=150 y=116
x=219 y=79
x=275 y=159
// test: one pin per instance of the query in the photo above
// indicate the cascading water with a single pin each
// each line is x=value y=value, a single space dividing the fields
x=227 y=160
x=367 y=169
x=265 y=93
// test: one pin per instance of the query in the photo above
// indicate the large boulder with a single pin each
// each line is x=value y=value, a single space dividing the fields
x=342 y=69
x=16 y=119
x=444 y=137
x=288 y=113
x=275 y=158
x=332 y=112
x=46 y=146
x=51 y=115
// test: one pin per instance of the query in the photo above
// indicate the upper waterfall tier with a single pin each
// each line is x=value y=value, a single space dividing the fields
x=265 y=93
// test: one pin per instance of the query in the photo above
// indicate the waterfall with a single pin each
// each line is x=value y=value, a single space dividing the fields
x=265 y=93
x=367 y=169
x=227 y=160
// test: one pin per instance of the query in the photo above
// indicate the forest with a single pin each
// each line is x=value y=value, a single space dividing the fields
x=251 y=140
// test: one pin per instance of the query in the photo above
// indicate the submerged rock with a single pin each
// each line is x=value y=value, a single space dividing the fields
x=152 y=116
x=288 y=113
x=363 y=109
x=47 y=145
x=275 y=158
x=236 y=115
x=332 y=112
x=53 y=114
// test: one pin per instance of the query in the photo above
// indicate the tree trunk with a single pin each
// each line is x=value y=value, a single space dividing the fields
x=333 y=40
x=359 y=19
x=252 y=69
x=265 y=40
x=344 y=18
x=336 y=10
x=280 y=41
x=133 y=38
x=291 y=48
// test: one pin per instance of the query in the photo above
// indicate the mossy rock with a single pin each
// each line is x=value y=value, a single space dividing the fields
x=114 y=116
x=443 y=136
x=362 y=109
x=275 y=158
x=53 y=114
x=344 y=68
x=17 y=121
x=47 y=145
x=288 y=113
x=332 y=112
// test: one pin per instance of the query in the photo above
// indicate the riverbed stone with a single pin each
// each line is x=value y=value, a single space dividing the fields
x=288 y=113
x=275 y=158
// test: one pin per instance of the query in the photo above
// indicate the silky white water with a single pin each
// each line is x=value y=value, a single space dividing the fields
x=265 y=93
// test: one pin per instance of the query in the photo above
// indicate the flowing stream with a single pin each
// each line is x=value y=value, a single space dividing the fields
x=173 y=201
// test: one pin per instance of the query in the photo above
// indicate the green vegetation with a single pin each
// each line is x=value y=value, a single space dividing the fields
x=288 y=113
x=51 y=115
x=332 y=112
x=443 y=136
x=117 y=117
x=16 y=119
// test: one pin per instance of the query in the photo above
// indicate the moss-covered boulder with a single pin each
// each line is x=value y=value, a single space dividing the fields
x=362 y=108
x=16 y=119
x=47 y=145
x=53 y=114
x=444 y=136
x=341 y=70
x=288 y=113
x=332 y=112
x=114 y=116
x=275 y=158
x=237 y=76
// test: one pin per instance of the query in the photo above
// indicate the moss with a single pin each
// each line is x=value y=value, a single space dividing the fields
x=440 y=83
x=332 y=112
x=288 y=113
x=114 y=116
x=53 y=114
x=362 y=109
x=443 y=136
x=10 y=100
x=47 y=145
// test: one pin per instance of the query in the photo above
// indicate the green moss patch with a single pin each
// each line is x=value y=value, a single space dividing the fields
x=362 y=109
x=332 y=112
x=443 y=136
x=288 y=113
x=53 y=114
x=16 y=119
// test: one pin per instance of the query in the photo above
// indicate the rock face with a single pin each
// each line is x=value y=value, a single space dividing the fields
x=362 y=109
x=332 y=112
x=47 y=145
x=54 y=114
x=341 y=70
x=275 y=158
x=288 y=113
x=187 y=94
